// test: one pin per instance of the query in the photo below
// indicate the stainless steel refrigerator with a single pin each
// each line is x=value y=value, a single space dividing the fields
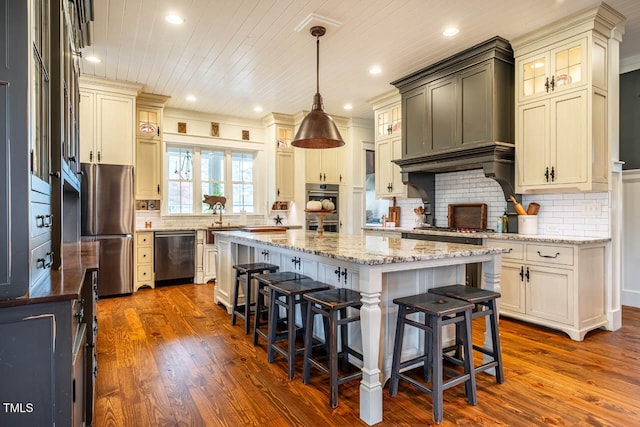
x=108 y=216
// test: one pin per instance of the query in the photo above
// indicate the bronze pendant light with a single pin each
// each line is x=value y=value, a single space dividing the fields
x=317 y=130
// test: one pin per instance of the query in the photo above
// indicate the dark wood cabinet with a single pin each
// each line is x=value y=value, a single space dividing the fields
x=463 y=101
x=414 y=121
x=14 y=140
x=442 y=114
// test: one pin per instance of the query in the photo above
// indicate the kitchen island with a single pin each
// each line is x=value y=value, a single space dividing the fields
x=380 y=268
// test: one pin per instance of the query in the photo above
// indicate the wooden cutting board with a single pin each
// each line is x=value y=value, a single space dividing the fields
x=394 y=215
x=468 y=215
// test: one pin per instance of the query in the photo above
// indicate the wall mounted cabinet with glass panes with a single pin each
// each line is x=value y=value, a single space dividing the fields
x=149 y=110
x=562 y=79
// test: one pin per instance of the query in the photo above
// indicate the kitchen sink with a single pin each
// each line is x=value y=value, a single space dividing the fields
x=251 y=229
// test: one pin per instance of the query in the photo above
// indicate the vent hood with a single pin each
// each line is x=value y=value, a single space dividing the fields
x=458 y=114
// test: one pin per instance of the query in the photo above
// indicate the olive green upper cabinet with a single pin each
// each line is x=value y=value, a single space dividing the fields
x=463 y=101
x=562 y=91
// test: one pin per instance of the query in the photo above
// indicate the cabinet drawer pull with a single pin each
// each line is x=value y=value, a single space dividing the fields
x=549 y=256
x=41 y=223
x=43 y=260
x=521 y=273
x=510 y=250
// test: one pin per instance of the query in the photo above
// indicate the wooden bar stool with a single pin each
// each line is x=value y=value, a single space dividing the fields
x=487 y=300
x=245 y=273
x=438 y=312
x=262 y=309
x=291 y=293
x=333 y=305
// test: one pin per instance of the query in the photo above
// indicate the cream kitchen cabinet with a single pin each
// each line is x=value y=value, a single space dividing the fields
x=324 y=166
x=389 y=120
x=149 y=111
x=107 y=115
x=388 y=174
x=144 y=260
x=553 y=70
x=560 y=286
x=285 y=164
x=285 y=179
x=388 y=145
x=562 y=104
x=554 y=148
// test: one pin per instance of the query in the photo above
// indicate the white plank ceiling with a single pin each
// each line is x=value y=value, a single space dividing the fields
x=235 y=54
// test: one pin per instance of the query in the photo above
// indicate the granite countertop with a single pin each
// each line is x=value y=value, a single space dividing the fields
x=65 y=284
x=360 y=249
x=571 y=240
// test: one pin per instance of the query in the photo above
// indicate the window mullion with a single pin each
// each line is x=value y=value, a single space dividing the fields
x=196 y=182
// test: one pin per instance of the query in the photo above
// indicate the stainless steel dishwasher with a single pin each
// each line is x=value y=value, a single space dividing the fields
x=174 y=254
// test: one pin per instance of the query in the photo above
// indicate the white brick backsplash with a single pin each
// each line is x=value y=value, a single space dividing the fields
x=562 y=211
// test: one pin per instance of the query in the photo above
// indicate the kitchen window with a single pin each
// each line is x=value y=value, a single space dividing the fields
x=193 y=172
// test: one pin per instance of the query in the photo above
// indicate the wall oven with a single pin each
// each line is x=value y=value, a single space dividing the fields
x=320 y=192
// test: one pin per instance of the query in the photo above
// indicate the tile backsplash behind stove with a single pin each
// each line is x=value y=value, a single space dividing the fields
x=566 y=214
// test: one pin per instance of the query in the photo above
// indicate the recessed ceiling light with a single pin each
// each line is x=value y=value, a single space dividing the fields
x=451 y=31
x=174 y=19
x=191 y=98
x=93 y=59
x=348 y=107
x=375 y=70
x=257 y=109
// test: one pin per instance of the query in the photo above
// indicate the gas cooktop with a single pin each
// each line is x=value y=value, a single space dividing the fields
x=455 y=229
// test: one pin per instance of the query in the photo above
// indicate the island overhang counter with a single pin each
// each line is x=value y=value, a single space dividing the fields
x=380 y=268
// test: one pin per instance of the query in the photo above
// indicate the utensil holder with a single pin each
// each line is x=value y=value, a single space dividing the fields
x=527 y=224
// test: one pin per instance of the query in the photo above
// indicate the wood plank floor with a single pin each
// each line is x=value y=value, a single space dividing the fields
x=169 y=357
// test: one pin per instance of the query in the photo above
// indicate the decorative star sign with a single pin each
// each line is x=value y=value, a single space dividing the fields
x=278 y=220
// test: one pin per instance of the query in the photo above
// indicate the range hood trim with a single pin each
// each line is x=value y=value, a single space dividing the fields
x=496 y=159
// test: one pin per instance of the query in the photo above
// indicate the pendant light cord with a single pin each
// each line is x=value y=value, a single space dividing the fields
x=317 y=64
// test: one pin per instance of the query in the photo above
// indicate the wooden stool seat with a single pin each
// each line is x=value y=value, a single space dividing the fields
x=262 y=309
x=487 y=300
x=438 y=311
x=245 y=273
x=291 y=291
x=332 y=305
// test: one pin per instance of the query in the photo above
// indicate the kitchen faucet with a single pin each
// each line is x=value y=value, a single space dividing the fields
x=220 y=206
x=215 y=202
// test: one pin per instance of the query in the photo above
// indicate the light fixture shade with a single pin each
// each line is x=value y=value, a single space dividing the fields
x=317 y=130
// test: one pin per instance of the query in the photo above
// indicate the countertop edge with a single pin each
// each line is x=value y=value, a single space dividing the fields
x=501 y=236
x=462 y=250
x=65 y=284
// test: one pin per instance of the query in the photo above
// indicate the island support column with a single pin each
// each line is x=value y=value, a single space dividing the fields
x=370 y=325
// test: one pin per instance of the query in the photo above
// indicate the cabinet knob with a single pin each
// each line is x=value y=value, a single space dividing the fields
x=99 y=156
x=553 y=83
x=521 y=273
x=527 y=274
x=553 y=174
x=546 y=84
x=91 y=155
x=56 y=174
x=546 y=174
x=158 y=188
